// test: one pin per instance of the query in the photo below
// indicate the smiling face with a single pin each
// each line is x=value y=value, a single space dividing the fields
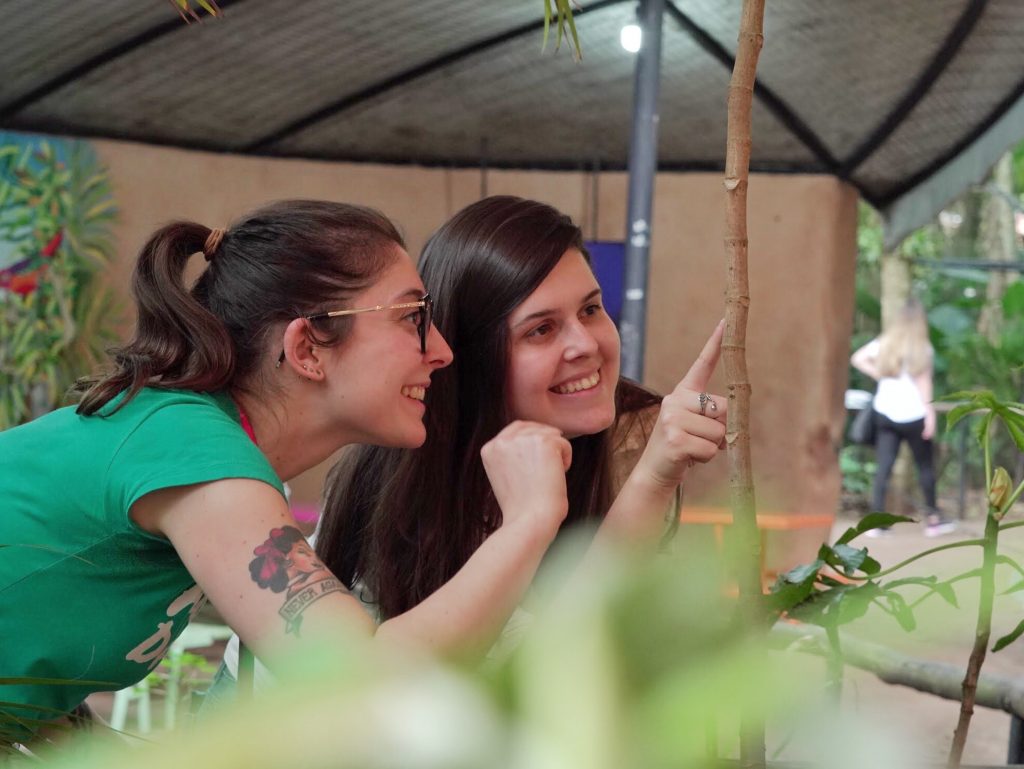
x=379 y=375
x=564 y=352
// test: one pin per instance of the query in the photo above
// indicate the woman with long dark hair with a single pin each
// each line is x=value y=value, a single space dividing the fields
x=308 y=330
x=523 y=311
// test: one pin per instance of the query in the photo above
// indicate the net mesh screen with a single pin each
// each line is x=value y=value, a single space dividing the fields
x=464 y=82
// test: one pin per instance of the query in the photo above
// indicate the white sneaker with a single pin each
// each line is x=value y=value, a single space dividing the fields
x=937 y=527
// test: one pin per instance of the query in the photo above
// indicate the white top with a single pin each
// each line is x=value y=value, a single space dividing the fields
x=897 y=398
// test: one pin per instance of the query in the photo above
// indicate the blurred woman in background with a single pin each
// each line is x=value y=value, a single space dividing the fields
x=900 y=360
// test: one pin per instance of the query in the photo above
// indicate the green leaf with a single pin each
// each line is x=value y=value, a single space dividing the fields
x=837 y=606
x=1013 y=300
x=872 y=521
x=851 y=558
x=547 y=24
x=947 y=593
x=30 y=681
x=870 y=566
x=868 y=304
x=943 y=589
x=1008 y=561
x=1016 y=432
x=211 y=8
x=856 y=600
x=952 y=321
x=901 y=611
x=1009 y=638
x=793 y=588
x=957 y=413
x=560 y=32
x=981 y=398
x=577 y=50
x=40 y=708
x=801 y=573
x=1015 y=589
x=981 y=431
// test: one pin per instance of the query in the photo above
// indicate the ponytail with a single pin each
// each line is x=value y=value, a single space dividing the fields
x=286 y=260
x=178 y=343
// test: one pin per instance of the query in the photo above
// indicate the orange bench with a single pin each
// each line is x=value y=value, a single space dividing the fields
x=720 y=517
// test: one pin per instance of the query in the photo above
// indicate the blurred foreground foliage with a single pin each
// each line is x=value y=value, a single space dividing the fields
x=640 y=665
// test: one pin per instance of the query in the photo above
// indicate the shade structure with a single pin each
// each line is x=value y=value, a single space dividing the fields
x=909 y=101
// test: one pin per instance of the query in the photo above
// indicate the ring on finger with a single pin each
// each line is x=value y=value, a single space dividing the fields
x=704 y=402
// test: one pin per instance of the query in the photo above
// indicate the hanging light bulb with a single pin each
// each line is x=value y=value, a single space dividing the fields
x=630 y=37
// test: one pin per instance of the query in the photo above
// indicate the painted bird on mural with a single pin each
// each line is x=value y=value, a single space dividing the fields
x=23 y=276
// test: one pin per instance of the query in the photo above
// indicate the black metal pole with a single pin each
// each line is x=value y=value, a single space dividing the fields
x=1015 y=752
x=643 y=162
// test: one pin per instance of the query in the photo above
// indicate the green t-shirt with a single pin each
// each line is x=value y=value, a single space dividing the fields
x=85 y=594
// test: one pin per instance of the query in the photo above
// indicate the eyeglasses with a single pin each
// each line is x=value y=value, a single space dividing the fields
x=424 y=317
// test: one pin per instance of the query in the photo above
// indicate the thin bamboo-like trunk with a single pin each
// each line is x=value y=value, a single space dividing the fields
x=737 y=304
x=982 y=634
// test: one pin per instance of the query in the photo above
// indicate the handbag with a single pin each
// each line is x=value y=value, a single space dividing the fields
x=862 y=428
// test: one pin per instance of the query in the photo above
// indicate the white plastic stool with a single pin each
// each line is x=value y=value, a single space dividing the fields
x=139 y=694
x=197 y=635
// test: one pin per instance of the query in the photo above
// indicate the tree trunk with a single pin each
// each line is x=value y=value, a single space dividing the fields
x=963 y=242
x=997 y=240
x=896 y=281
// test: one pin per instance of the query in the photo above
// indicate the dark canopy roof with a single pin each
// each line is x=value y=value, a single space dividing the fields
x=909 y=101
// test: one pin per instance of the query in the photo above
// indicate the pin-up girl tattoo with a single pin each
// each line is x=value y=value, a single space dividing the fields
x=285 y=563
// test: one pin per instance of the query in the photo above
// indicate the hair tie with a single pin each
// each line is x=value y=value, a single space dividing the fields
x=213 y=242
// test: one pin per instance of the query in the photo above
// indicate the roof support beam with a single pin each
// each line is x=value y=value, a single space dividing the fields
x=946 y=53
x=264 y=144
x=82 y=69
x=772 y=101
x=968 y=139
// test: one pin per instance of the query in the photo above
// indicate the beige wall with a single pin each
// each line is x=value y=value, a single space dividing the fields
x=802 y=251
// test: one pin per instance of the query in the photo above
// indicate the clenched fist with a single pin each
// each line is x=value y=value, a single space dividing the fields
x=526 y=464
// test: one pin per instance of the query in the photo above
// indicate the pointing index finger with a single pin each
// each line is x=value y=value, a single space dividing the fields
x=700 y=372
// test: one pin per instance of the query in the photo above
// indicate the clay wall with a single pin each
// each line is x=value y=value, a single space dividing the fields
x=802 y=251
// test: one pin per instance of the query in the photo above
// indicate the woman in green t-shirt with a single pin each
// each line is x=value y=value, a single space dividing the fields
x=309 y=329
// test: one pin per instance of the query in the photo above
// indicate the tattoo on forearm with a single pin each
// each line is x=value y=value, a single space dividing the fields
x=285 y=563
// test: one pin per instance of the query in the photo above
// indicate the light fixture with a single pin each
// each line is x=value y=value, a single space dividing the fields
x=630 y=37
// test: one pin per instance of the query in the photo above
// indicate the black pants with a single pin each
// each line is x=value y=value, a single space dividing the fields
x=888 y=436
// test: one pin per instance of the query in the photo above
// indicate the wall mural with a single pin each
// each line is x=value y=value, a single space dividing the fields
x=56 y=315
